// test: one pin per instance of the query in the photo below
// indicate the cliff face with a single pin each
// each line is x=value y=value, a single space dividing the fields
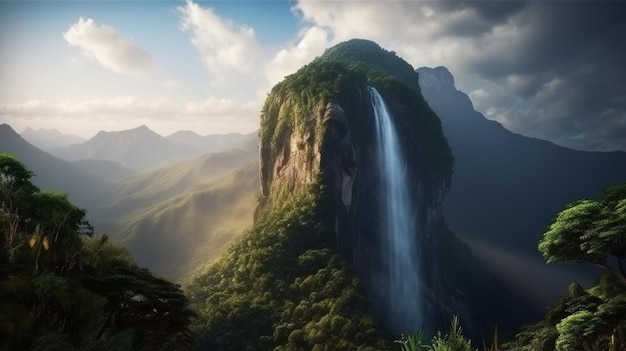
x=318 y=126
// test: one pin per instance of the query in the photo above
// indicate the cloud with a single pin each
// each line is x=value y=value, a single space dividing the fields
x=563 y=76
x=312 y=42
x=222 y=43
x=103 y=44
x=552 y=70
x=229 y=51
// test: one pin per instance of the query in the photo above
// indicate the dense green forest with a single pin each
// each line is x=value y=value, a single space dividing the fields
x=62 y=288
x=283 y=286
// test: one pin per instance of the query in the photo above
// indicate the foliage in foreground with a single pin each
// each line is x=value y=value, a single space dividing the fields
x=584 y=319
x=454 y=340
x=593 y=319
x=62 y=289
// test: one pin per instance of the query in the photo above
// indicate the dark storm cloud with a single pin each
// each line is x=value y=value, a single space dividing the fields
x=484 y=15
x=565 y=72
x=554 y=70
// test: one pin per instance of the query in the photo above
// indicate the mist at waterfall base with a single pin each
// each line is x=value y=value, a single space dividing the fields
x=397 y=228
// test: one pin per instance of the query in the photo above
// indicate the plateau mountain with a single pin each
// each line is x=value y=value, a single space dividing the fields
x=312 y=273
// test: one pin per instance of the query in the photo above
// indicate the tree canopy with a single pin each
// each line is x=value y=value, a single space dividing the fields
x=585 y=319
x=590 y=231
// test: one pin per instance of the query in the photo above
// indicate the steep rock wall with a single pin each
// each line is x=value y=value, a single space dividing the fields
x=317 y=125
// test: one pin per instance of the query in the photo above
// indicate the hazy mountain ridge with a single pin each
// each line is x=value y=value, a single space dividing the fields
x=211 y=142
x=142 y=149
x=138 y=149
x=53 y=173
x=109 y=170
x=497 y=173
x=183 y=233
x=50 y=139
x=179 y=216
x=507 y=187
x=209 y=200
x=172 y=180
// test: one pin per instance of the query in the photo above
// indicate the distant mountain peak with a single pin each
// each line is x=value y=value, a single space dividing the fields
x=49 y=139
x=439 y=78
x=138 y=148
x=6 y=128
x=142 y=130
x=142 y=127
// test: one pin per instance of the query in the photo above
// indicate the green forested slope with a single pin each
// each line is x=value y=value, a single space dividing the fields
x=283 y=286
x=177 y=235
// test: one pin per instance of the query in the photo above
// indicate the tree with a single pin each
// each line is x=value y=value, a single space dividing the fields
x=60 y=288
x=590 y=231
x=592 y=319
x=16 y=190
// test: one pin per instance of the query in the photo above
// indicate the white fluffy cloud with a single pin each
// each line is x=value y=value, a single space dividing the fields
x=230 y=51
x=222 y=43
x=289 y=59
x=103 y=44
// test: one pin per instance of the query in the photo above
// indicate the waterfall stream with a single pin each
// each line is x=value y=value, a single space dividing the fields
x=401 y=261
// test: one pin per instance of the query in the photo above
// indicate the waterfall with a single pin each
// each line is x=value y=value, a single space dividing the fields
x=398 y=235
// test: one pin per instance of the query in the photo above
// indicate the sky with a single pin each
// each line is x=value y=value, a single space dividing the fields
x=554 y=70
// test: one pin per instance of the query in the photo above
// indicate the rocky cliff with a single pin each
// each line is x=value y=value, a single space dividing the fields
x=318 y=225
x=318 y=125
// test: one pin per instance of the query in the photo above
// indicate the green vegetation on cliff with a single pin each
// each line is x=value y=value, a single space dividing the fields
x=342 y=75
x=283 y=286
x=286 y=283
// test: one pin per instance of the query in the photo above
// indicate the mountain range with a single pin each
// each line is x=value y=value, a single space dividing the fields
x=185 y=212
x=141 y=149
